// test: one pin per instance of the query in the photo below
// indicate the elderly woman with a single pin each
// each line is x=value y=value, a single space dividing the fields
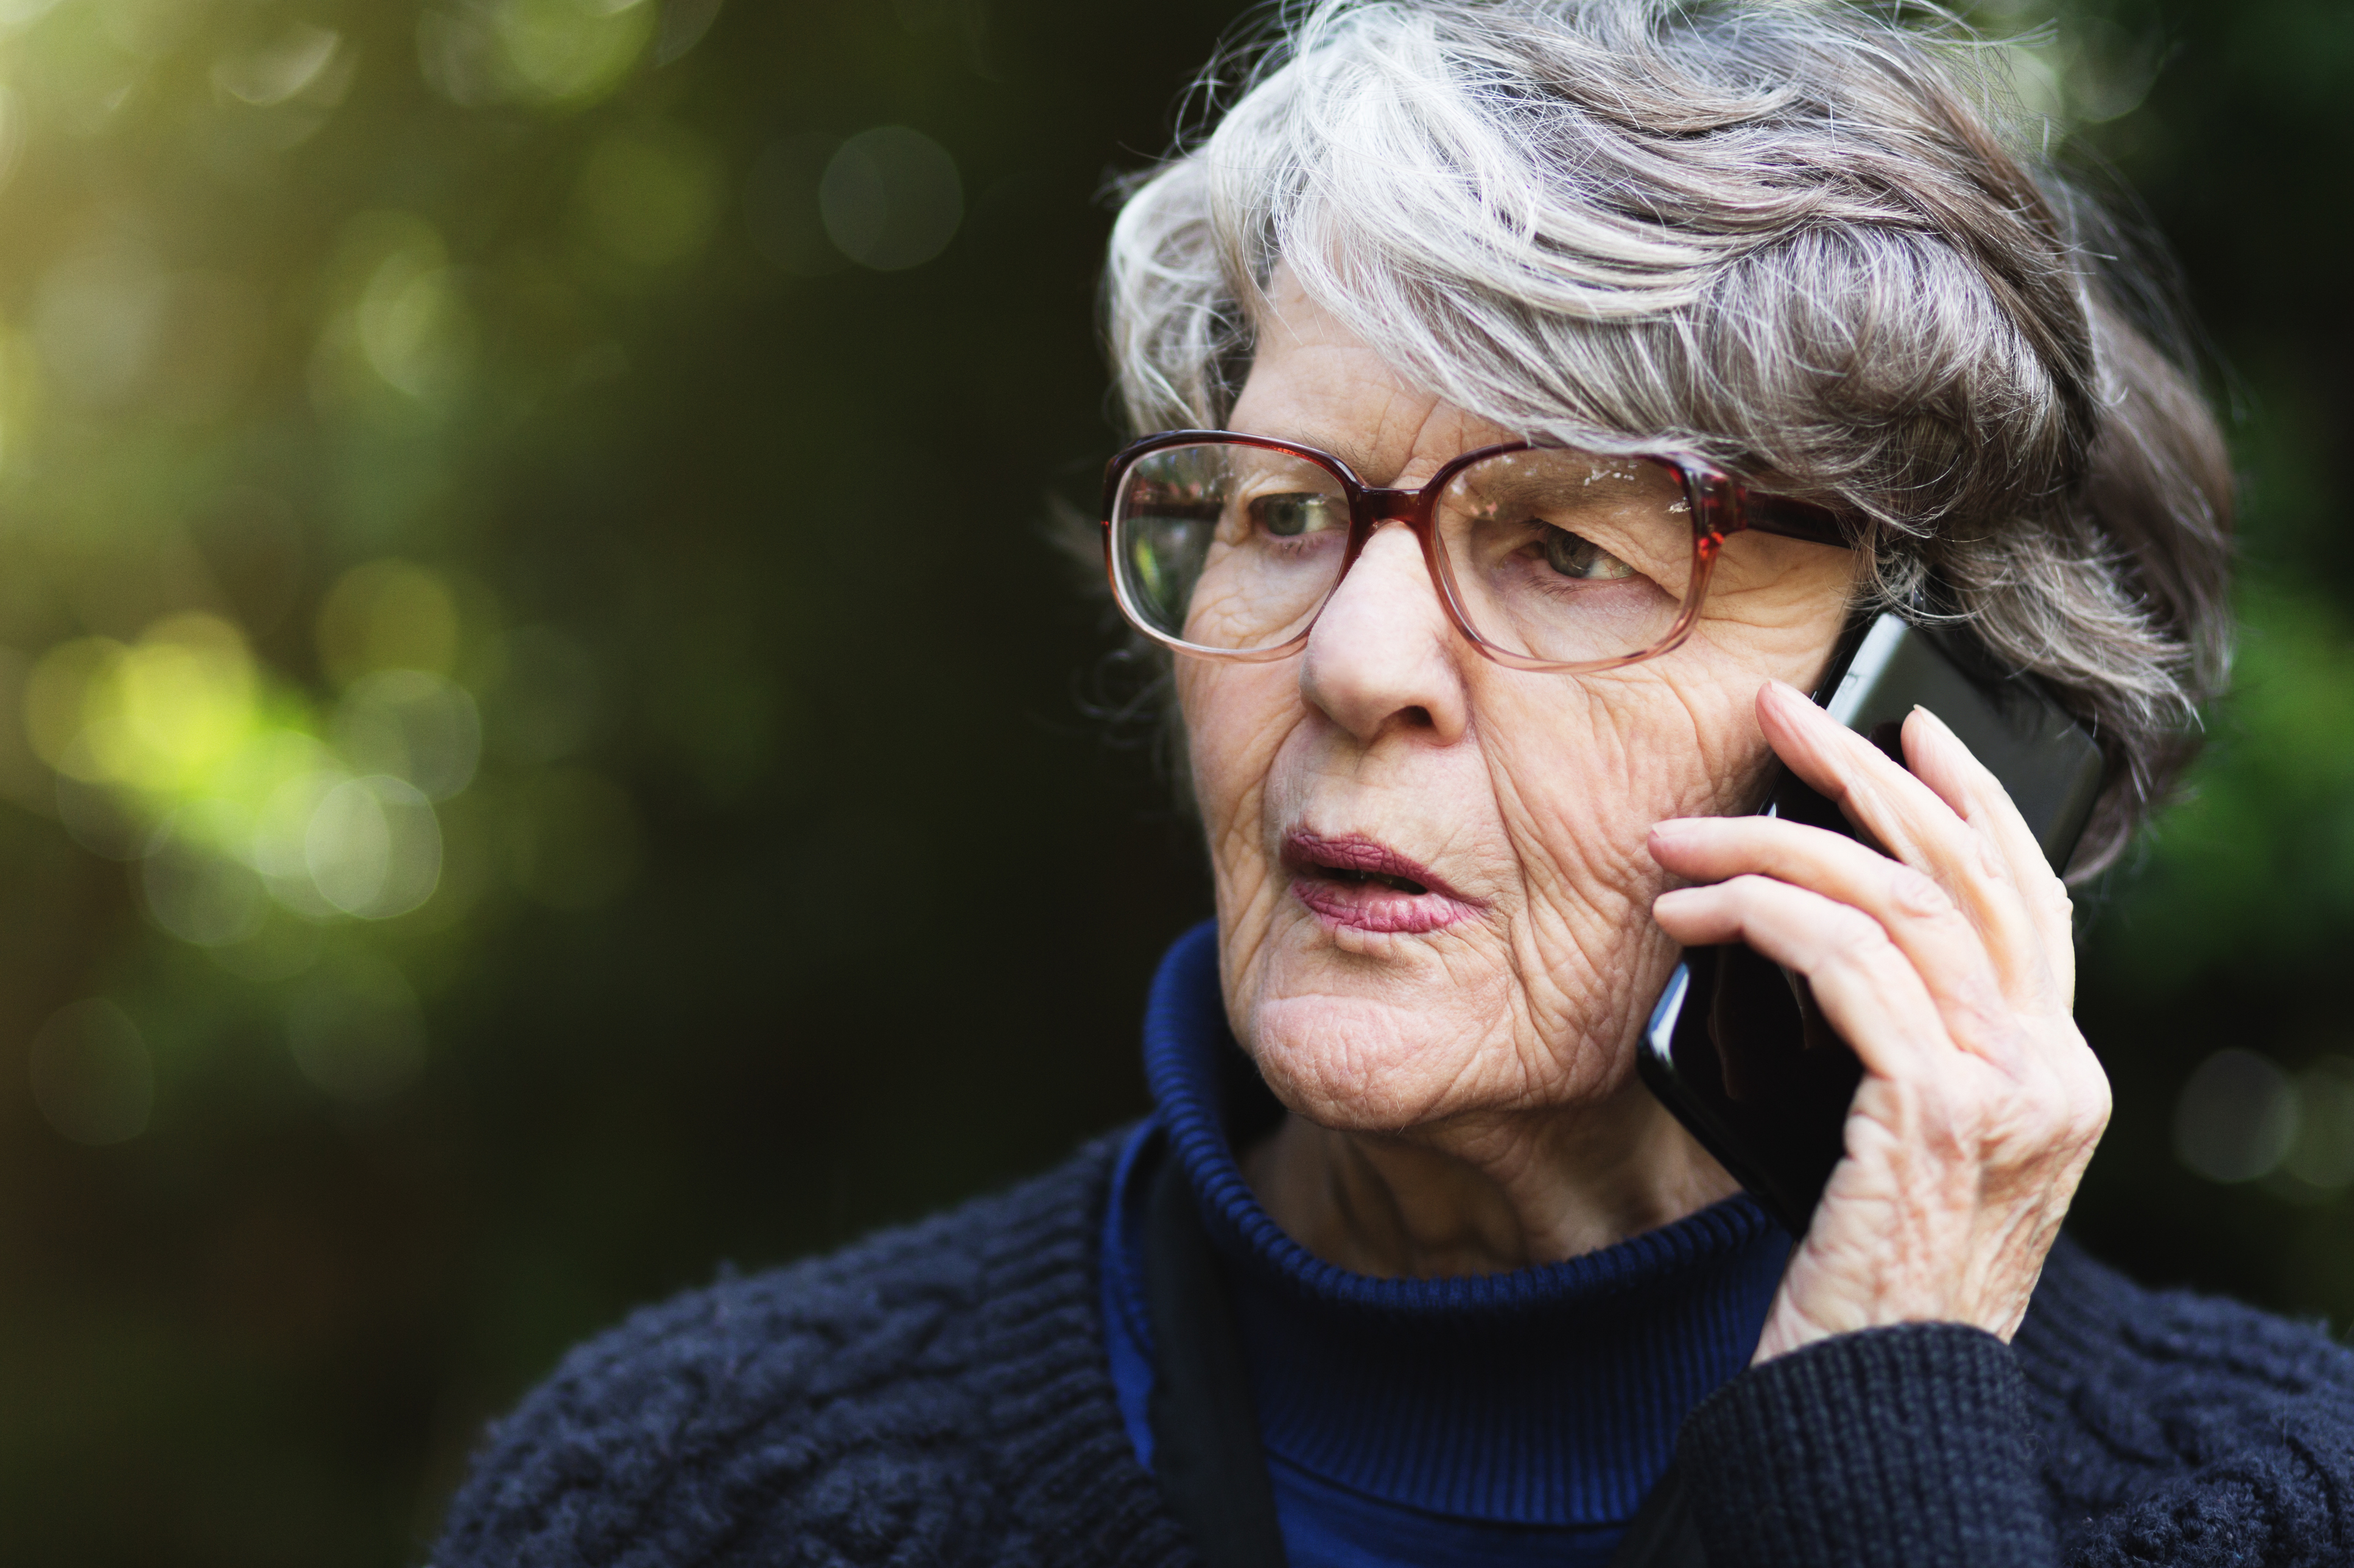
x=1564 y=379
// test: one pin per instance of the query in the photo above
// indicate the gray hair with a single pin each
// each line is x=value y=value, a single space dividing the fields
x=1793 y=236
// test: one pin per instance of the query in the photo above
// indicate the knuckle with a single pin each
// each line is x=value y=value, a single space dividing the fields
x=1859 y=933
x=1992 y=864
x=2091 y=1120
x=2056 y=1108
x=1916 y=893
x=1982 y=1015
x=2093 y=1104
x=1859 y=945
x=2071 y=1104
x=2054 y=896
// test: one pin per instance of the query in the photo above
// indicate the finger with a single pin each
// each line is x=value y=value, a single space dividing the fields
x=1873 y=791
x=1937 y=756
x=1941 y=942
x=1868 y=989
x=1907 y=817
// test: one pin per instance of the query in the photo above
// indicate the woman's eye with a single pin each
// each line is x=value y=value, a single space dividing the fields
x=1289 y=517
x=1574 y=556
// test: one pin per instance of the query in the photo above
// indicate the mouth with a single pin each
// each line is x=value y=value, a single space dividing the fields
x=1363 y=883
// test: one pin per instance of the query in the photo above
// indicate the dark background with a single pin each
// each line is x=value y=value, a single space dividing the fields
x=795 y=891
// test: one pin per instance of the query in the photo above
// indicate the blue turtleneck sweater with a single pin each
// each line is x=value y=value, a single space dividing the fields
x=1505 y=1418
x=965 y=1392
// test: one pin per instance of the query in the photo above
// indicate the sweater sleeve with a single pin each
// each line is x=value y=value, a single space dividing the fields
x=1900 y=1447
x=935 y=1395
x=809 y=1415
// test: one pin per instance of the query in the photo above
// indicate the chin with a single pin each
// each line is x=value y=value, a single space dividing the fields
x=1355 y=1067
x=1355 y=1043
x=1417 y=1031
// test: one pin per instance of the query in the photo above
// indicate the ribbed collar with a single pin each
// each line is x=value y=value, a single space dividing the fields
x=1545 y=1396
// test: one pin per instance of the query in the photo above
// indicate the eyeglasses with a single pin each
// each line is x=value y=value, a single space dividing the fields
x=1546 y=558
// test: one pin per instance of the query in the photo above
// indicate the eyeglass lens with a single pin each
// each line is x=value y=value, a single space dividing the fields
x=1557 y=554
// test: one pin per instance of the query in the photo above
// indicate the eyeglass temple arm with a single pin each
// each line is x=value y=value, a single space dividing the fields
x=1795 y=520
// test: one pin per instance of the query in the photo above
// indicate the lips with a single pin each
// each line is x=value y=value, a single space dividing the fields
x=1363 y=883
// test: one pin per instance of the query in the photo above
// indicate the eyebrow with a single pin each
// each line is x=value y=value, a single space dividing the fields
x=1358 y=457
x=1607 y=477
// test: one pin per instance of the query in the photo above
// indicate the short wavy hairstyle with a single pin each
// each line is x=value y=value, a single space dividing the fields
x=1800 y=237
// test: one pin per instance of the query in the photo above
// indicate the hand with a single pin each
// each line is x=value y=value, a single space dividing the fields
x=1950 y=968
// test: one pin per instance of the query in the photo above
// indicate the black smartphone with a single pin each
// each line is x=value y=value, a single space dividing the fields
x=1736 y=1047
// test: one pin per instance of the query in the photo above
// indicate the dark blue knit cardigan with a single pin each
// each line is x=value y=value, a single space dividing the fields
x=938 y=1395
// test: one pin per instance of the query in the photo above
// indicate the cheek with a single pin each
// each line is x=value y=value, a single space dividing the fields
x=1581 y=783
x=1583 y=780
x=1236 y=717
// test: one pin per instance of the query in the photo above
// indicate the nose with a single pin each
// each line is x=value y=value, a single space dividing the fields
x=1383 y=656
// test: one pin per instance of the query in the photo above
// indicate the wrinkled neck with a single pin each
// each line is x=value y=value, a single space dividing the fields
x=1486 y=1196
x=1444 y=1379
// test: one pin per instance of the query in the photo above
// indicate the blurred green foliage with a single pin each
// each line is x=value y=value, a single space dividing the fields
x=2210 y=975
x=541 y=728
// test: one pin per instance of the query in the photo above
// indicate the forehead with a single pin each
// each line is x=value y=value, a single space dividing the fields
x=1314 y=380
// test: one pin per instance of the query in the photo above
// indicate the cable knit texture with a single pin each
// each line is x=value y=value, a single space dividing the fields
x=938 y=1394
x=1845 y=1455
x=942 y=1395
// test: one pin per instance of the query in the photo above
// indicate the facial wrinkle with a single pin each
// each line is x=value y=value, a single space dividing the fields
x=1496 y=1044
x=1586 y=910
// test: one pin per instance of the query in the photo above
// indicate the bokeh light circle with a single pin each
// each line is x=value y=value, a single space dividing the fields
x=2236 y=1119
x=414 y=724
x=194 y=886
x=890 y=199
x=93 y=1076
x=373 y=847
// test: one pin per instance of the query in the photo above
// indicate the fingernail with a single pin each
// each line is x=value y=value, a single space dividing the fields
x=1677 y=832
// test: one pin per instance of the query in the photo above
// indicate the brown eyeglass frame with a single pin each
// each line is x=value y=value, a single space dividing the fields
x=1721 y=506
